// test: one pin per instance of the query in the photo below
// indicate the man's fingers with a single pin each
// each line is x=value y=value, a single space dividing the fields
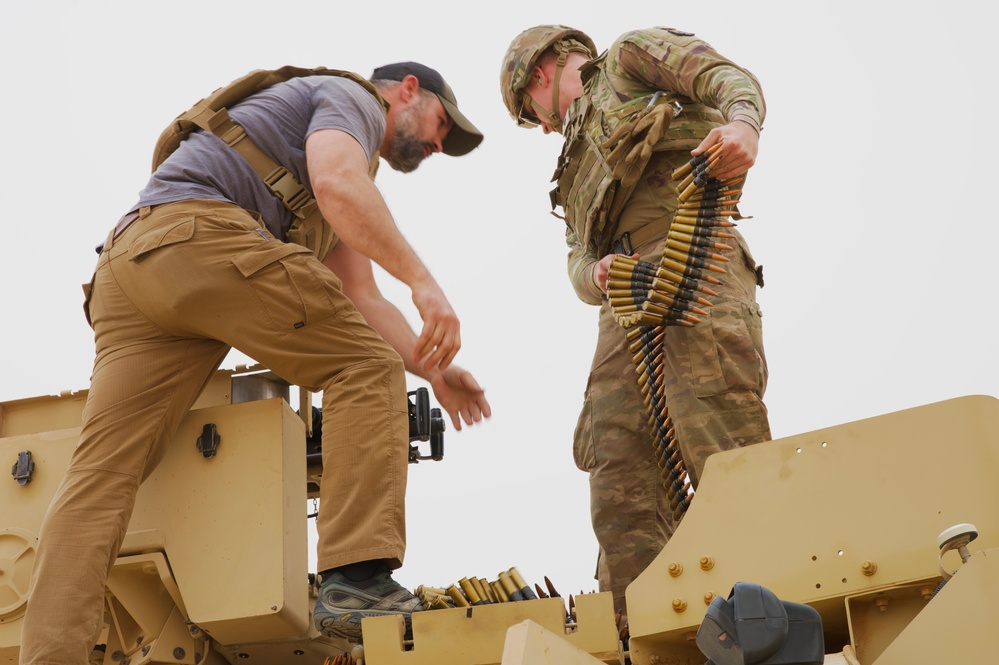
x=438 y=350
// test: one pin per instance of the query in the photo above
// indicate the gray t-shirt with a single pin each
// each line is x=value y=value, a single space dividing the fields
x=278 y=119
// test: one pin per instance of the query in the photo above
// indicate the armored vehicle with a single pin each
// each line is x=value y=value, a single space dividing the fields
x=879 y=537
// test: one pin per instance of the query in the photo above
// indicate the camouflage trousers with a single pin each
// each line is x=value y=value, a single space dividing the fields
x=715 y=374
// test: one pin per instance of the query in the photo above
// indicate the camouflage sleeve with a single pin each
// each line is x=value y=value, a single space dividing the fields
x=667 y=59
x=580 y=264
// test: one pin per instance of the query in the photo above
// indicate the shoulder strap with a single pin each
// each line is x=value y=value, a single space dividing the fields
x=210 y=115
x=201 y=114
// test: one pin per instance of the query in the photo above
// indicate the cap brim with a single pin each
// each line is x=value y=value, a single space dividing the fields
x=464 y=137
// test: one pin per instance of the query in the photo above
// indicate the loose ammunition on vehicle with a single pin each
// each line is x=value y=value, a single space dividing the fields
x=525 y=590
x=470 y=592
x=551 y=588
x=457 y=596
x=491 y=590
x=511 y=587
x=436 y=603
x=481 y=589
x=499 y=592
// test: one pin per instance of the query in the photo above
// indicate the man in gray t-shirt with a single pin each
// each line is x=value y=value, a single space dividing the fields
x=202 y=264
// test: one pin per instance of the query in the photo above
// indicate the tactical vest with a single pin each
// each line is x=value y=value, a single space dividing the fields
x=590 y=196
x=210 y=114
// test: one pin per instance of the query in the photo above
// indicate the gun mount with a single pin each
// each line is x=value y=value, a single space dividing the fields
x=849 y=522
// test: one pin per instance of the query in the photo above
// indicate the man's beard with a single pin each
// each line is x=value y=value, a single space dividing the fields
x=407 y=150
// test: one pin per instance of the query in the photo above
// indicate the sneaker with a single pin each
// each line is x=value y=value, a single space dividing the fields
x=343 y=603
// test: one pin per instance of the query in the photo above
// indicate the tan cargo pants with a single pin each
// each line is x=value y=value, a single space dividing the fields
x=715 y=374
x=170 y=296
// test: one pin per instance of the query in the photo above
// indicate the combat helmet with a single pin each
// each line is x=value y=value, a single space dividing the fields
x=523 y=54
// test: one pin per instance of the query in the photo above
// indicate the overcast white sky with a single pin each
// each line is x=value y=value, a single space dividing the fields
x=867 y=202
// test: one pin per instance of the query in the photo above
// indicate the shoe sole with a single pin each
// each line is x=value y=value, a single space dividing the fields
x=347 y=625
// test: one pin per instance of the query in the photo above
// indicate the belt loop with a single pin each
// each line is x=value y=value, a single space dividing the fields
x=127 y=220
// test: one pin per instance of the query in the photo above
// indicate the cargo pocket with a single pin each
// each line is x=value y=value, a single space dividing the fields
x=726 y=356
x=88 y=290
x=291 y=292
x=583 y=452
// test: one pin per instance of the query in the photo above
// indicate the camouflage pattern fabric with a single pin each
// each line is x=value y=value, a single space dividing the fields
x=709 y=88
x=715 y=375
x=715 y=372
x=521 y=56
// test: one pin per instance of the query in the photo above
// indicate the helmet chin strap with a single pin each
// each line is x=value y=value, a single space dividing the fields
x=555 y=116
x=563 y=49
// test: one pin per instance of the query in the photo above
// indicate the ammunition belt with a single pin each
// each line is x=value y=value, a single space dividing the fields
x=645 y=298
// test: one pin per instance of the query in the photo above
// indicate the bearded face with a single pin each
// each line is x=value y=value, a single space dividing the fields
x=408 y=149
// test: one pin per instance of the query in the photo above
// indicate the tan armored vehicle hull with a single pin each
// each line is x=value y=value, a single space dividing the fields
x=845 y=520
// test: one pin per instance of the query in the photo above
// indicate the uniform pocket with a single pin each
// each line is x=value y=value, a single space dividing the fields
x=252 y=262
x=293 y=288
x=162 y=236
x=583 y=450
x=88 y=290
x=727 y=355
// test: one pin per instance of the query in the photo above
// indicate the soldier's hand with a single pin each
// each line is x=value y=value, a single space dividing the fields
x=740 y=144
x=459 y=394
x=440 y=338
x=602 y=267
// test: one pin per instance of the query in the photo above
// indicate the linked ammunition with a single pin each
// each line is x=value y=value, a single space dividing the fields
x=697 y=240
x=694 y=272
x=683 y=170
x=646 y=297
x=701 y=231
x=702 y=220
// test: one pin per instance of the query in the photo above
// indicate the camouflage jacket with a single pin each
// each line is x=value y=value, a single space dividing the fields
x=710 y=89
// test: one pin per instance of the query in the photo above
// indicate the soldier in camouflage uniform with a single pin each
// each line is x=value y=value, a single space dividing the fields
x=715 y=372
